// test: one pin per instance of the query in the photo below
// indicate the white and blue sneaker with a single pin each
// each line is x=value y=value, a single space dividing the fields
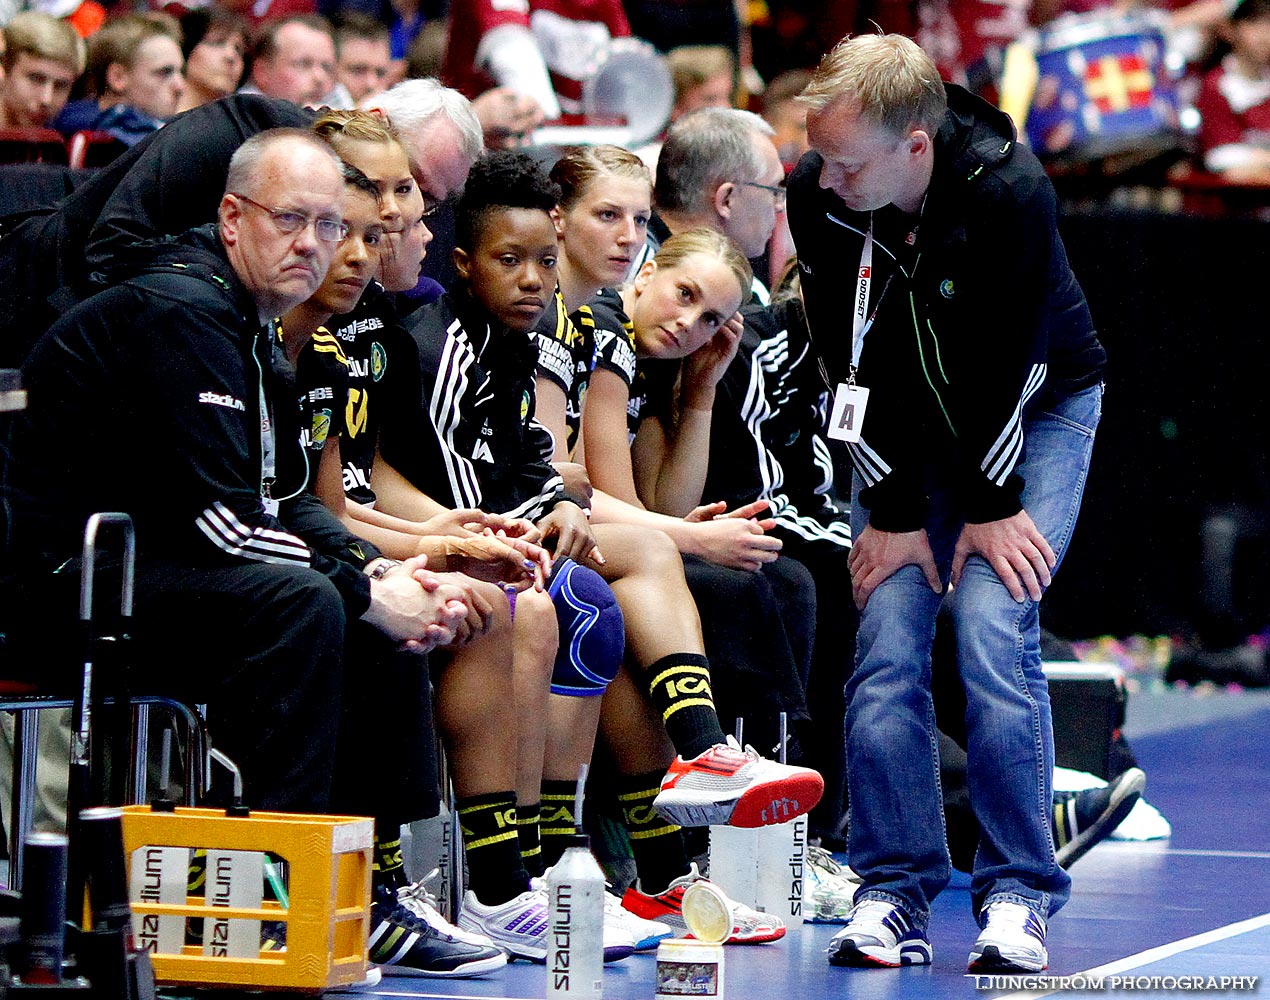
x=879 y=933
x=1012 y=940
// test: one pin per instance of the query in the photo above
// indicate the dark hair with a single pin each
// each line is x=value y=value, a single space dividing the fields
x=501 y=180
x=1251 y=10
x=265 y=44
x=199 y=23
x=361 y=26
x=354 y=178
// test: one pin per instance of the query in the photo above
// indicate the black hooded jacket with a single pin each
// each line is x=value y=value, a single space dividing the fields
x=981 y=320
x=147 y=398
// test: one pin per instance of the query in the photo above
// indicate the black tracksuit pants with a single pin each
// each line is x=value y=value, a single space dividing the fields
x=321 y=715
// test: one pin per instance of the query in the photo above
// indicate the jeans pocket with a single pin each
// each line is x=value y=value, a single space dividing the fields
x=1080 y=411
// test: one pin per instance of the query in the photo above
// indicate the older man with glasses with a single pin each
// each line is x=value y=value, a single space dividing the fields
x=165 y=396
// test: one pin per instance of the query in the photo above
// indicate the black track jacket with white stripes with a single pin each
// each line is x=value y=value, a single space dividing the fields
x=982 y=316
x=146 y=398
x=459 y=418
x=764 y=434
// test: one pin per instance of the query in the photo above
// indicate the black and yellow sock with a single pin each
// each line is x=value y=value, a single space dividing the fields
x=558 y=820
x=495 y=871
x=388 y=871
x=679 y=686
x=657 y=843
x=529 y=836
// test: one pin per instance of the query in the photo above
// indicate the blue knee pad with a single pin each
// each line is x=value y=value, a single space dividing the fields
x=592 y=634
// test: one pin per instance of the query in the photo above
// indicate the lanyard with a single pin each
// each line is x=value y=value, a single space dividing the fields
x=861 y=318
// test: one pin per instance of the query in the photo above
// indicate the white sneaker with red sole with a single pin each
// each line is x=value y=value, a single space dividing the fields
x=728 y=786
x=749 y=926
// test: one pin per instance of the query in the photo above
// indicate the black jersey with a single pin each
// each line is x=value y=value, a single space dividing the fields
x=342 y=373
x=764 y=440
x=566 y=351
x=459 y=421
x=650 y=381
x=322 y=386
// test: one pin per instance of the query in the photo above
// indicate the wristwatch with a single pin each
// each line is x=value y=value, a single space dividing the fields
x=376 y=568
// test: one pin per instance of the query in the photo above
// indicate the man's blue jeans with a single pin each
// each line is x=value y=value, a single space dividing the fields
x=897 y=840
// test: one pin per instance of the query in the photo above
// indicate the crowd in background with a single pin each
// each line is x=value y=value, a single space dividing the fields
x=125 y=70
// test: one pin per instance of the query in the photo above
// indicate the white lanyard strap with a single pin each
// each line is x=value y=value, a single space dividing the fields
x=861 y=321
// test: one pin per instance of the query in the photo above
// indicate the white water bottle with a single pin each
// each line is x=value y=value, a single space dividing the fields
x=575 y=943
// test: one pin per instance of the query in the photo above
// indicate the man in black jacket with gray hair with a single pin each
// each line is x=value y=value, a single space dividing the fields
x=158 y=397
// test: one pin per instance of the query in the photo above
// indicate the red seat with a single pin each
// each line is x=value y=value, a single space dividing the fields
x=94 y=149
x=1204 y=193
x=32 y=145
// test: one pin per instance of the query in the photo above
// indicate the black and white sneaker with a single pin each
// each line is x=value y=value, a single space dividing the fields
x=1082 y=819
x=1012 y=940
x=416 y=940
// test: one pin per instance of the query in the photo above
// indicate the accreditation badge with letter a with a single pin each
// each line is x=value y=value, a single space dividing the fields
x=847 y=415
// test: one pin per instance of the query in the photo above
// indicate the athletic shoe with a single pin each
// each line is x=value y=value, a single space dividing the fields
x=879 y=933
x=619 y=938
x=828 y=888
x=749 y=926
x=1082 y=819
x=1012 y=940
x=646 y=934
x=369 y=981
x=727 y=786
x=404 y=944
x=518 y=926
x=416 y=898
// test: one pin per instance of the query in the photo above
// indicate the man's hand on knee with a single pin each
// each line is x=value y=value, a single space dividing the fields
x=1015 y=549
x=476 y=597
x=416 y=607
x=877 y=555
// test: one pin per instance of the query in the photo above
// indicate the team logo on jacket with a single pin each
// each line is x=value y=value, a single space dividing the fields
x=378 y=361
x=321 y=428
x=524 y=406
x=946 y=288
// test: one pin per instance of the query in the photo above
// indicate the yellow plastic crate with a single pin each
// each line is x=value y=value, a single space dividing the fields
x=327 y=920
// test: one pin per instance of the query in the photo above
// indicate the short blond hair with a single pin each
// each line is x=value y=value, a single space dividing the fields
x=896 y=83
x=44 y=37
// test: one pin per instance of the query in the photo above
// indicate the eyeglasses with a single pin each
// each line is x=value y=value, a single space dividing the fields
x=431 y=205
x=778 y=190
x=289 y=223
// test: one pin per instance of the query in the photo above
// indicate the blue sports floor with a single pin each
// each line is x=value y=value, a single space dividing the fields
x=1196 y=905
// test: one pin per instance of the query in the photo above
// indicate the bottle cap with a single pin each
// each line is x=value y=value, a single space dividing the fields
x=706 y=912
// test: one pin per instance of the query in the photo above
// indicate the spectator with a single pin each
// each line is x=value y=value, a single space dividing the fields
x=294 y=60
x=362 y=56
x=787 y=117
x=43 y=56
x=1234 y=100
x=704 y=77
x=134 y=68
x=215 y=45
x=538 y=49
